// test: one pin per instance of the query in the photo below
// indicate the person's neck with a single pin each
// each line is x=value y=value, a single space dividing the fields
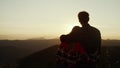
x=85 y=25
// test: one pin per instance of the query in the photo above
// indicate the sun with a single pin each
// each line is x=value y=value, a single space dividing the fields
x=69 y=27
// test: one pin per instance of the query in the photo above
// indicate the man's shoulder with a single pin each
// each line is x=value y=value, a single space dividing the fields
x=95 y=29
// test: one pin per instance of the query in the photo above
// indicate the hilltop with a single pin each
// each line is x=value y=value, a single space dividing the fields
x=41 y=53
x=40 y=59
x=46 y=58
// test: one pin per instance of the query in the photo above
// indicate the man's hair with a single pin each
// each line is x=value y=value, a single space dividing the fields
x=83 y=16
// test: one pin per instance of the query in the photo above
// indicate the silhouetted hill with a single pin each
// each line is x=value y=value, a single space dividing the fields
x=9 y=54
x=41 y=59
x=41 y=53
x=13 y=50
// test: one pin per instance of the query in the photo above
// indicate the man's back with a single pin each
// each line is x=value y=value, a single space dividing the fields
x=88 y=36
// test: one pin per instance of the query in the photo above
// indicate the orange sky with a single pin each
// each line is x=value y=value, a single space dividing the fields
x=24 y=19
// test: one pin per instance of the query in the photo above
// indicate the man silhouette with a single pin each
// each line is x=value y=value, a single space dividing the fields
x=89 y=37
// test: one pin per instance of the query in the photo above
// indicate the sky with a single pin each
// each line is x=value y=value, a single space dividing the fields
x=25 y=19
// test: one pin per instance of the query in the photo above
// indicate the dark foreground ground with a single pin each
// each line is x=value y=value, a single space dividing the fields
x=41 y=54
x=46 y=58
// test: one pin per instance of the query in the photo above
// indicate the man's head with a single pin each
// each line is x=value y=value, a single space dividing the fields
x=83 y=17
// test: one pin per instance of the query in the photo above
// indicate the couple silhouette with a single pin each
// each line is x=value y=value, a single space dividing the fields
x=81 y=47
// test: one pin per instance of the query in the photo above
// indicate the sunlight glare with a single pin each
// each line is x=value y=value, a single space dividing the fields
x=69 y=27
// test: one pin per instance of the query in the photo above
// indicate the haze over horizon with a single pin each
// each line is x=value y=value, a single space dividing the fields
x=26 y=19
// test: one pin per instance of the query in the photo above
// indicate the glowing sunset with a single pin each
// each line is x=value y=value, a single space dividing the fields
x=24 y=19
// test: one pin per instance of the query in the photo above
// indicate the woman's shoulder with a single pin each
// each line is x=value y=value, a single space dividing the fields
x=76 y=28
